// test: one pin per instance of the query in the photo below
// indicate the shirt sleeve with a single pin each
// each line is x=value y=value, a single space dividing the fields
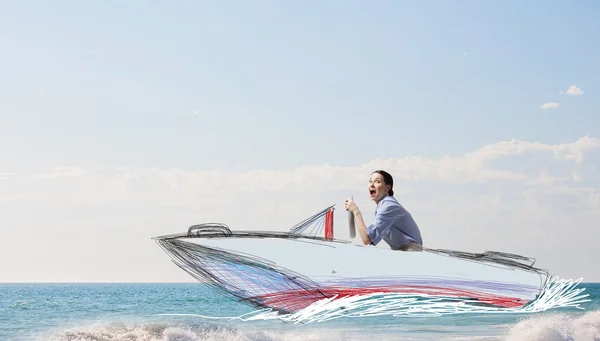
x=386 y=215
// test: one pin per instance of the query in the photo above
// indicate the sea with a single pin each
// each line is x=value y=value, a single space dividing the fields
x=194 y=311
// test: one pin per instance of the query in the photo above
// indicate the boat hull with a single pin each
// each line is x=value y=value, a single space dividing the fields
x=289 y=273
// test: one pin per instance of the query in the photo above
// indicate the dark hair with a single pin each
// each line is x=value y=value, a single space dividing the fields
x=387 y=178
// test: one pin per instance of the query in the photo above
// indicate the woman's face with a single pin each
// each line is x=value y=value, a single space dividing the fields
x=377 y=187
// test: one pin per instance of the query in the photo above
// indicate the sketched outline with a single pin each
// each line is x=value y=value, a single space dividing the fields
x=308 y=301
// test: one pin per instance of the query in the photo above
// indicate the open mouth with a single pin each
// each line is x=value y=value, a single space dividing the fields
x=372 y=192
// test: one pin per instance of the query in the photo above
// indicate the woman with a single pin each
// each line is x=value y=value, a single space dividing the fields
x=392 y=222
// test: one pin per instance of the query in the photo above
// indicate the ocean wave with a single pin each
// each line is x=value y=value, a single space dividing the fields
x=547 y=327
x=155 y=331
x=557 y=327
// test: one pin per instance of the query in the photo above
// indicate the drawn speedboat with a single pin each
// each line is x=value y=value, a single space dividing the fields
x=290 y=271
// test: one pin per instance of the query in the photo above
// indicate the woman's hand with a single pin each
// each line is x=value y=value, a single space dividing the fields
x=351 y=206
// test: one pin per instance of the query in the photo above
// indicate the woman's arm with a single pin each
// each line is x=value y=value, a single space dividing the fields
x=358 y=220
x=385 y=217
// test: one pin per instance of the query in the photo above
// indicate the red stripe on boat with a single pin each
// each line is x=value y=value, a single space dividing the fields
x=294 y=300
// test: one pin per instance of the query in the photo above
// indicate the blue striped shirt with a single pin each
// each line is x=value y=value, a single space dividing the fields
x=394 y=224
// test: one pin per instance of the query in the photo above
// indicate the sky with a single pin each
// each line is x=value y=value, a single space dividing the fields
x=121 y=121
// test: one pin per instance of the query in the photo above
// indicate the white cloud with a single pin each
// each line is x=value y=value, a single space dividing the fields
x=515 y=196
x=574 y=91
x=575 y=176
x=550 y=105
x=184 y=183
x=62 y=172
